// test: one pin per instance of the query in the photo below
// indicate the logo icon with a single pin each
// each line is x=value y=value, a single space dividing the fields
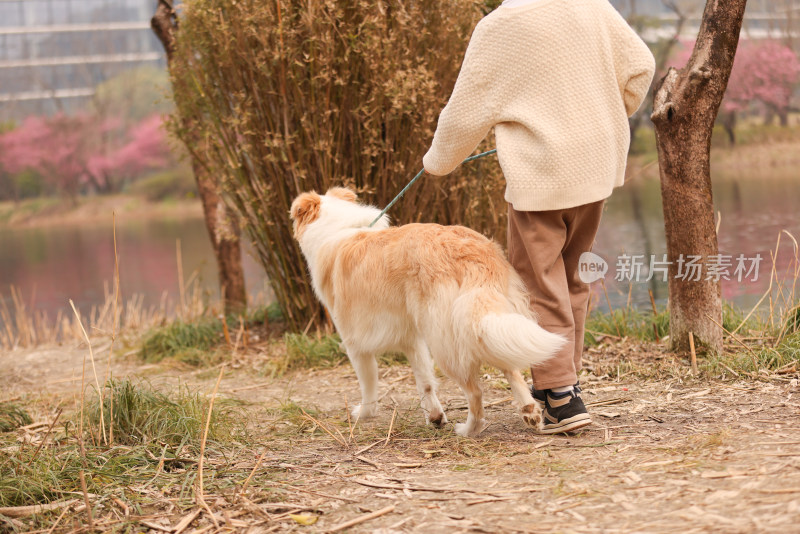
x=591 y=267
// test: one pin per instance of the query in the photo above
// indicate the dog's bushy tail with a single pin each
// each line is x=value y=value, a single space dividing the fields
x=510 y=339
x=516 y=341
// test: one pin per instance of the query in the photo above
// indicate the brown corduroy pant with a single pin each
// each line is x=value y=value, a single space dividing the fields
x=544 y=247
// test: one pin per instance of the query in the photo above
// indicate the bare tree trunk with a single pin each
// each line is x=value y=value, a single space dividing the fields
x=220 y=222
x=728 y=121
x=684 y=109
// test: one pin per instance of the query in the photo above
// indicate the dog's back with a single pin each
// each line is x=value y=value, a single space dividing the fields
x=448 y=284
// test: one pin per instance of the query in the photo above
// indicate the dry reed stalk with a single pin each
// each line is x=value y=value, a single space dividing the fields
x=243 y=330
x=742 y=343
x=114 y=323
x=790 y=314
x=630 y=295
x=21 y=316
x=186 y=521
x=96 y=380
x=225 y=331
x=58 y=520
x=391 y=426
x=773 y=276
x=792 y=309
x=655 y=312
x=181 y=287
x=253 y=472
x=340 y=439
x=767 y=293
x=796 y=265
x=349 y=421
x=81 y=446
x=786 y=299
x=89 y=518
x=199 y=496
x=693 y=354
x=610 y=309
x=44 y=440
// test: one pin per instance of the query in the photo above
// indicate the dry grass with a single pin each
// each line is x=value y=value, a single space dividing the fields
x=152 y=455
x=22 y=328
x=301 y=458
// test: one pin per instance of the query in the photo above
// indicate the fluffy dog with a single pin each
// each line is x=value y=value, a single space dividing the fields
x=424 y=290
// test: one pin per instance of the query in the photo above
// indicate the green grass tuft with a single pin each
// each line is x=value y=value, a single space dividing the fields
x=318 y=352
x=646 y=326
x=143 y=415
x=12 y=417
x=791 y=323
x=188 y=342
x=630 y=323
x=763 y=358
x=271 y=313
x=156 y=441
x=303 y=352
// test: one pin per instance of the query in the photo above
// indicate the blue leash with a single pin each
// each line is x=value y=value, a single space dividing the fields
x=417 y=177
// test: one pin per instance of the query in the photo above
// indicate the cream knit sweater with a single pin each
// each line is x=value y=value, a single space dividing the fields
x=557 y=80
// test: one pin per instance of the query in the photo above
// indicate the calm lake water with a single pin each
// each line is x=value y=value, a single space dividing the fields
x=753 y=211
x=53 y=264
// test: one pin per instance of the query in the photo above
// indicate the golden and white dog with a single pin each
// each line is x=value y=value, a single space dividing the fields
x=424 y=290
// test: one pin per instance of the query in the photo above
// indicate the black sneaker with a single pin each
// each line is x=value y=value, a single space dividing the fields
x=539 y=395
x=564 y=412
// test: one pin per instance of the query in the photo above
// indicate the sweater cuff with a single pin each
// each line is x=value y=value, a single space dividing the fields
x=433 y=165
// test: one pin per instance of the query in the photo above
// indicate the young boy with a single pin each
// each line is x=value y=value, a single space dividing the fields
x=557 y=79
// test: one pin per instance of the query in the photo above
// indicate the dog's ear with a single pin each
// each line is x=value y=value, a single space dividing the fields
x=305 y=210
x=343 y=193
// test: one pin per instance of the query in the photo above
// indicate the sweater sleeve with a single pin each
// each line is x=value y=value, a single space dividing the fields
x=641 y=67
x=635 y=64
x=468 y=115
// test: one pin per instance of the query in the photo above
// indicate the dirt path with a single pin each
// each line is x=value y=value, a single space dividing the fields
x=671 y=455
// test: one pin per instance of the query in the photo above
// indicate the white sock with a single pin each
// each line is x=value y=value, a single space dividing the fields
x=562 y=389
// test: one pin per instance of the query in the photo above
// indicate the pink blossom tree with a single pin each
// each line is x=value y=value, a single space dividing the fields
x=765 y=72
x=55 y=147
x=72 y=153
x=142 y=148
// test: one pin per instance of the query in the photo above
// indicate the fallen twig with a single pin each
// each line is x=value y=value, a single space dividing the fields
x=391 y=425
x=340 y=440
x=23 y=511
x=413 y=488
x=50 y=429
x=363 y=518
x=186 y=521
x=609 y=402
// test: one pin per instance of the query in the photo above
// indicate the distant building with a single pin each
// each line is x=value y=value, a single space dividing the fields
x=53 y=53
x=764 y=19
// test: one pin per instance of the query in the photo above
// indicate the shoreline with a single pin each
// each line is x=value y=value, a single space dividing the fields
x=47 y=212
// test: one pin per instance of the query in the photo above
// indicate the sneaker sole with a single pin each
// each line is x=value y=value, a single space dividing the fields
x=568 y=425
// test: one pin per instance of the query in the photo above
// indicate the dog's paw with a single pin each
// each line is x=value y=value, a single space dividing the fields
x=437 y=419
x=470 y=430
x=532 y=415
x=365 y=411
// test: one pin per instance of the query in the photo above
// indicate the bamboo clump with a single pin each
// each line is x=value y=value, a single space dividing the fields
x=289 y=96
